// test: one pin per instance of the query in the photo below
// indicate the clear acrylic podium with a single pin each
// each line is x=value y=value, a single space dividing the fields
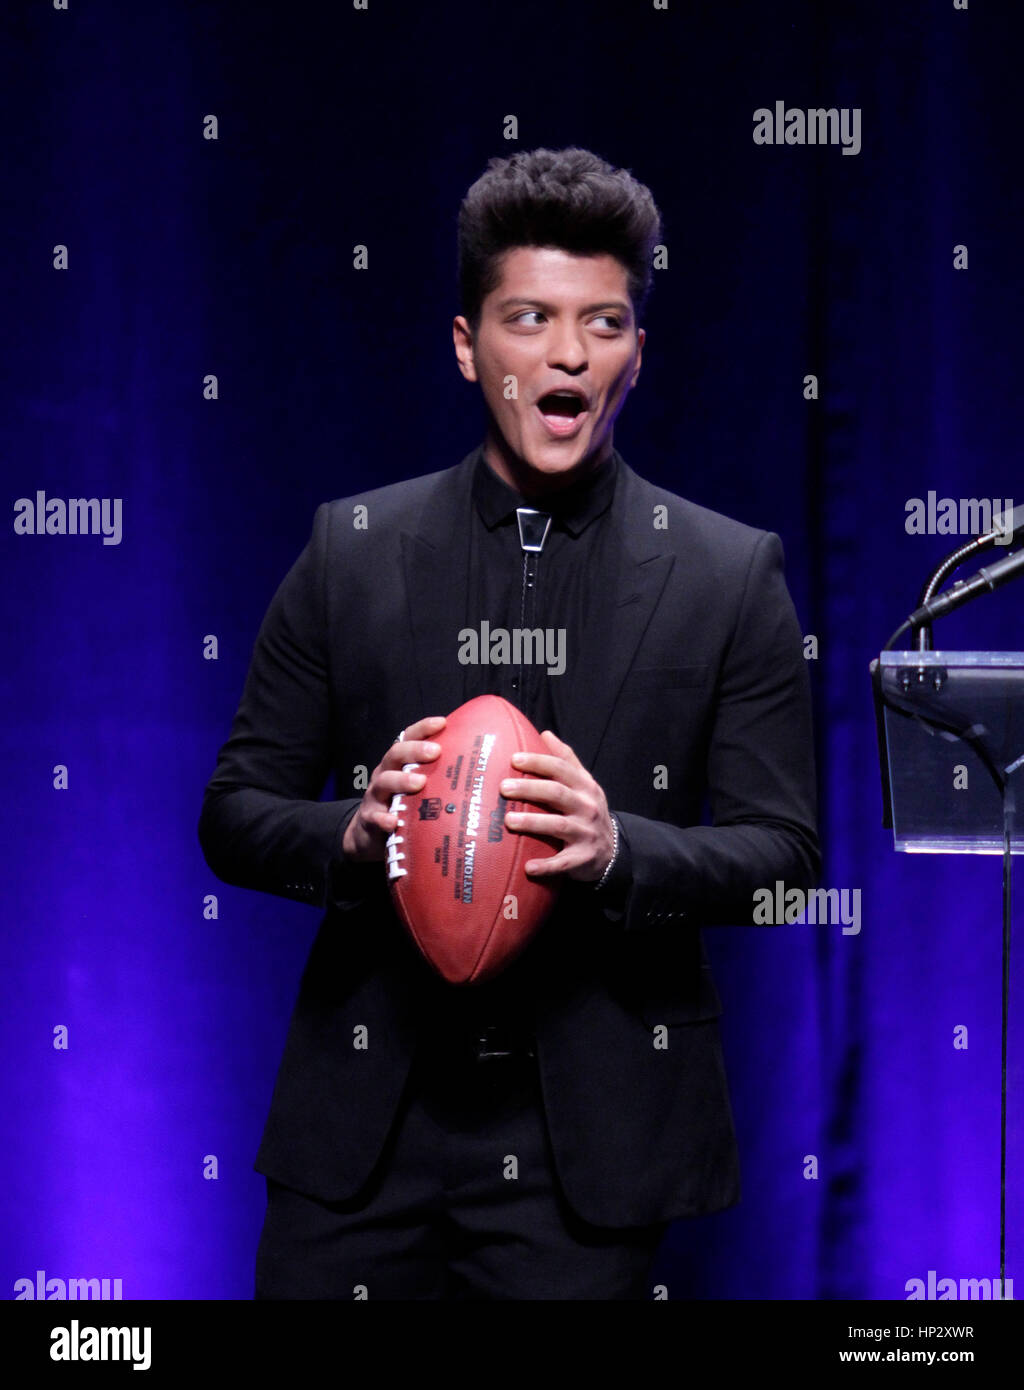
x=951 y=749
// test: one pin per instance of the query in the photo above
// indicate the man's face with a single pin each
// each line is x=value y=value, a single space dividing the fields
x=556 y=323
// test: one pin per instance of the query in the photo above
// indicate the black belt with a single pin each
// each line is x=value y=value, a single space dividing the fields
x=479 y=1043
x=494 y=1043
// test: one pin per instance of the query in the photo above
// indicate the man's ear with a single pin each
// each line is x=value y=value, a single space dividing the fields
x=462 y=336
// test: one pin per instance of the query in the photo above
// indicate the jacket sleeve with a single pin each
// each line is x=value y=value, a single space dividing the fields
x=262 y=825
x=760 y=780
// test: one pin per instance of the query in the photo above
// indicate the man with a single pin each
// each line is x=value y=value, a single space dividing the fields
x=532 y=1137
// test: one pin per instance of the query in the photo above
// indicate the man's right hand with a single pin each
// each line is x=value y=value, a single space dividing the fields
x=366 y=834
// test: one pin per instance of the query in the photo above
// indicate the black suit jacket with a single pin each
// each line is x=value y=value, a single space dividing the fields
x=690 y=684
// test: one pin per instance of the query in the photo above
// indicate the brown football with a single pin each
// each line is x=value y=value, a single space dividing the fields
x=454 y=868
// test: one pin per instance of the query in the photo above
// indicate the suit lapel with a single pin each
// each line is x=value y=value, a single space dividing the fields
x=621 y=606
x=435 y=561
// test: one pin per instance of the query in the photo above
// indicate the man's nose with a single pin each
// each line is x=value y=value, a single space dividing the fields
x=566 y=349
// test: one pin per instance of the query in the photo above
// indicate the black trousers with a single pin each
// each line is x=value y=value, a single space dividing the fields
x=463 y=1204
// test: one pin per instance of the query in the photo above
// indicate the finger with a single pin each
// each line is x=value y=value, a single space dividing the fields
x=388 y=784
x=530 y=823
x=547 y=765
x=411 y=751
x=378 y=820
x=534 y=789
x=555 y=864
x=425 y=728
x=562 y=749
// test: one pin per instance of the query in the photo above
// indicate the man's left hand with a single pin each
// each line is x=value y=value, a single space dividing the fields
x=578 y=811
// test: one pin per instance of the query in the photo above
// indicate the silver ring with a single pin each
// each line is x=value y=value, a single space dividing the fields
x=399 y=738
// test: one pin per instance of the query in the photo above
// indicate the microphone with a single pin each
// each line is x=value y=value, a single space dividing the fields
x=1008 y=524
x=989 y=577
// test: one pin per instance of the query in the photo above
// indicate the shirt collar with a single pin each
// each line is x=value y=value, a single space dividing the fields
x=574 y=509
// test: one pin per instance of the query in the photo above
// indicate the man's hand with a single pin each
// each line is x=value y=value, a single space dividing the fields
x=367 y=832
x=579 y=811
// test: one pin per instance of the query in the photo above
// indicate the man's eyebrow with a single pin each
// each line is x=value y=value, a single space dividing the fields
x=525 y=299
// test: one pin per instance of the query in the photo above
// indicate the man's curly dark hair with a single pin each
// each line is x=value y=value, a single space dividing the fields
x=571 y=199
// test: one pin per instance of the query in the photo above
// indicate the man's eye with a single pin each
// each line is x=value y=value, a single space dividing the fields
x=612 y=320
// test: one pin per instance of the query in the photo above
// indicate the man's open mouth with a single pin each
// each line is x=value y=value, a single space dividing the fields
x=566 y=404
x=562 y=412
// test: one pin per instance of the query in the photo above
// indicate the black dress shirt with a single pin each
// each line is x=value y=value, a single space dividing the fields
x=571 y=562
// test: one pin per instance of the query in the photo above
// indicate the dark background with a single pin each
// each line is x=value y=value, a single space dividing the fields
x=234 y=257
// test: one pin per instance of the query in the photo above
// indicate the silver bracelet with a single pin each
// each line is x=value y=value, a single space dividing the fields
x=615 y=854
